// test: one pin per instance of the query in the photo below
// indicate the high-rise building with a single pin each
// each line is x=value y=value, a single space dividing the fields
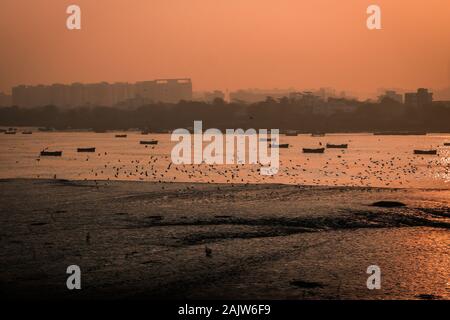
x=165 y=90
x=419 y=99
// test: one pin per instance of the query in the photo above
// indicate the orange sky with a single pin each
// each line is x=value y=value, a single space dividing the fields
x=230 y=44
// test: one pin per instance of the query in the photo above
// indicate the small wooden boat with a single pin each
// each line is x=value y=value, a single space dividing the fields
x=280 y=146
x=45 y=153
x=429 y=152
x=317 y=150
x=10 y=132
x=318 y=134
x=121 y=135
x=145 y=132
x=27 y=132
x=447 y=144
x=86 y=150
x=151 y=142
x=337 y=146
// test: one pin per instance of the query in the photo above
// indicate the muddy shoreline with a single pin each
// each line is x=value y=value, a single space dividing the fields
x=136 y=240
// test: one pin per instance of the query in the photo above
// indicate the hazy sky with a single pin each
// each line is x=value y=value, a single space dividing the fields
x=230 y=44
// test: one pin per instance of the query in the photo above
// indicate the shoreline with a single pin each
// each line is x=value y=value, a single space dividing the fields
x=218 y=184
x=139 y=131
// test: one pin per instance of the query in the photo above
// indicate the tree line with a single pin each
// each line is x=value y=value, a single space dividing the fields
x=283 y=114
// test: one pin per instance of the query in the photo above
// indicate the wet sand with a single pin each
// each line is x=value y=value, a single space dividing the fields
x=147 y=240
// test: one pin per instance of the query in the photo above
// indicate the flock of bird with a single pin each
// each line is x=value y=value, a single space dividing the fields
x=335 y=168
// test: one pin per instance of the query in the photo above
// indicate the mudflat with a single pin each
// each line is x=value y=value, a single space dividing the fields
x=200 y=240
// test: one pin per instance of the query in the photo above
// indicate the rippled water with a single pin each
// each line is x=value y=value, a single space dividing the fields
x=378 y=161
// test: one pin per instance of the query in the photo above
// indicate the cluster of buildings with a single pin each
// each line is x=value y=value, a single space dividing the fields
x=420 y=98
x=102 y=94
x=130 y=95
x=417 y=99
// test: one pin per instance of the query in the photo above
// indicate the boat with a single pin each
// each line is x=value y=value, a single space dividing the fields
x=86 y=150
x=10 y=132
x=151 y=142
x=447 y=144
x=121 y=135
x=337 y=146
x=27 y=132
x=430 y=152
x=317 y=150
x=45 y=153
x=145 y=132
x=318 y=134
x=280 y=146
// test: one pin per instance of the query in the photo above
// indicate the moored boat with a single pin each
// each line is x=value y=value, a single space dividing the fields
x=337 y=146
x=447 y=144
x=121 y=135
x=10 y=132
x=151 y=142
x=313 y=150
x=429 y=152
x=27 y=132
x=86 y=150
x=45 y=153
x=317 y=134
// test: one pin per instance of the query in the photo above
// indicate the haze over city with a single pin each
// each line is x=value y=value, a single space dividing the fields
x=229 y=44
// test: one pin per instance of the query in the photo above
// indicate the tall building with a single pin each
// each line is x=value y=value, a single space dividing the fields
x=411 y=99
x=424 y=97
x=102 y=94
x=165 y=90
x=420 y=98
